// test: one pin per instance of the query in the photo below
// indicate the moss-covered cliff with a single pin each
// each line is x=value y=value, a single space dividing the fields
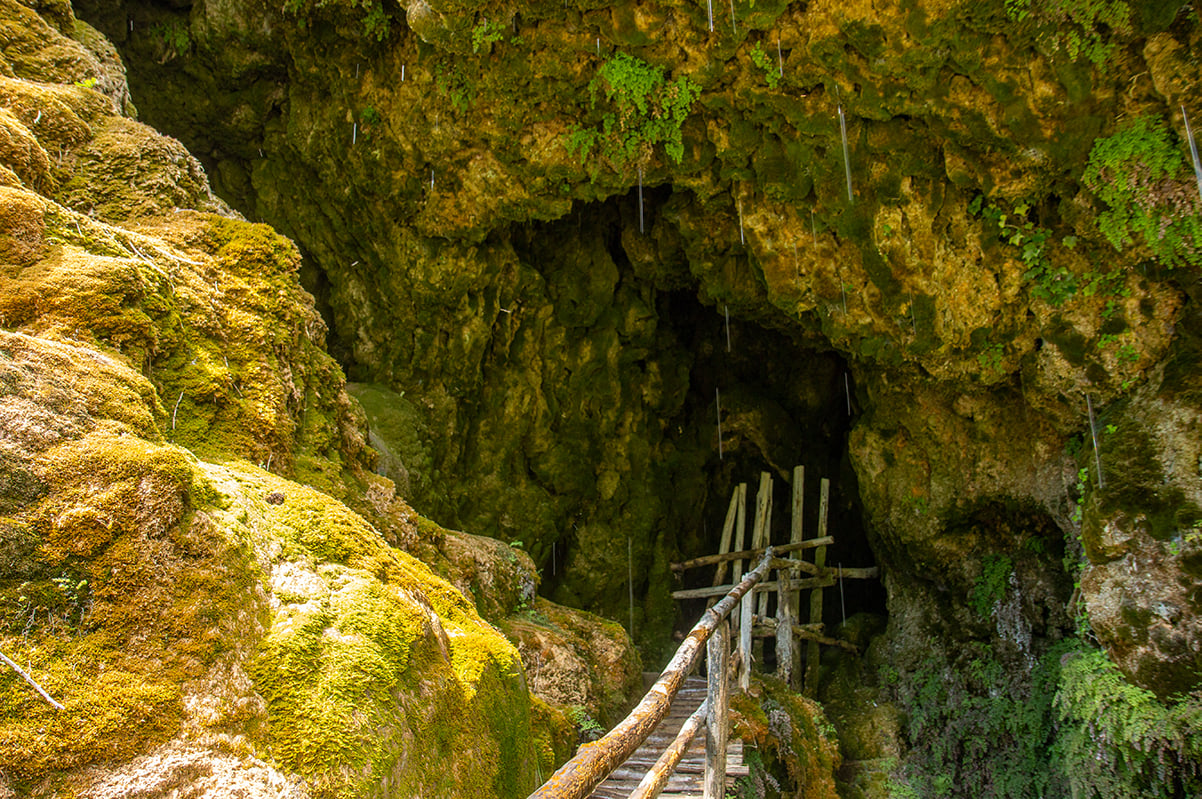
x=942 y=232
x=195 y=559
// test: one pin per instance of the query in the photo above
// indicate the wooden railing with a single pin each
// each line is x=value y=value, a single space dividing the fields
x=577 y=778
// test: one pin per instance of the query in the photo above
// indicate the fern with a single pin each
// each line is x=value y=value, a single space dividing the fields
x=1119 y=741
x=1081 y=28
x=647 y=110
x=1136 y=172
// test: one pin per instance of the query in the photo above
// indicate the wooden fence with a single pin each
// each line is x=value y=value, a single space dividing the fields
x=788 y=586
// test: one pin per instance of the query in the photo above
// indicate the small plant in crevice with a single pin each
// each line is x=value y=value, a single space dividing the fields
x=1080 y=28
x=174 y=38
x=764 y=61
x=647 y=110
x=586 y=726
x=1055 y=285
x=453 y=83
x=990 y=587
x=485 y=34
x=1142 y=176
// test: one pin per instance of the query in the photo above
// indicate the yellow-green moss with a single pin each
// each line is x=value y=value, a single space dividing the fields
x=791 y=736
x=375 y=670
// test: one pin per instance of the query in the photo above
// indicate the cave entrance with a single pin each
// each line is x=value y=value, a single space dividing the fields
x=783 y=403
x=786 y=399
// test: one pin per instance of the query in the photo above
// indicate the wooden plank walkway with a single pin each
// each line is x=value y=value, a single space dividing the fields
x=686 y=783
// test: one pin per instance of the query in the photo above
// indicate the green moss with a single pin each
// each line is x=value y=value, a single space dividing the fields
x=375 y=657
x=795 y=745
x=1136 y=485
x=129 y=594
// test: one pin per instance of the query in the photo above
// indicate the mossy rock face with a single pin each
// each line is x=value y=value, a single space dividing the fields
x=576 y=659
x=208 y=623
x=795 y=749
x=1142 y=532
x=523 y=301
x=464 y=263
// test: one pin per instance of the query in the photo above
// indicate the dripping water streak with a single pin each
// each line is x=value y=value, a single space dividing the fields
x=598 y=46
x=402 y=73
x=847 y=388
x=726 y=310
x=1093 y=432
x=742 y=240
x=710 y=7
x=1193 y=151
x=846 y=157
x=356 y=72
x=780 y=59
x=733 y=27
x=640 y=199
x=718 y=406
x=431 y=180
x=354 y=133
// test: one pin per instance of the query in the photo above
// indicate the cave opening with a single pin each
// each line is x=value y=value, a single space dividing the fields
x=784 y=399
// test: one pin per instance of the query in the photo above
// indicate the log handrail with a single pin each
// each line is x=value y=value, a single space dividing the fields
x=577 y=778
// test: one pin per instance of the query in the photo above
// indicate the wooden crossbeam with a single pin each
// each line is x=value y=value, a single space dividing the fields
x=744 y=554
x=767 y=628
x=718 y=590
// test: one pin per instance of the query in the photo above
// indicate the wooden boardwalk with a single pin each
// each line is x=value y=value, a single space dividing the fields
x=686 y=783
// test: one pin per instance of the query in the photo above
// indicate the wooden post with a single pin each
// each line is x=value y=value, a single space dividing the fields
x=796 y=535
x=746 y=611
x=784 y=627
x=740 y=529
x=728 y=528
x=760 y=536
x=740 y=536
x=718 y=699
x=763 y=521
x=811 y=679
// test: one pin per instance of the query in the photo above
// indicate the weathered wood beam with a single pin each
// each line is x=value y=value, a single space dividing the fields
x=718 y=698
x=810 y=685
x=796 y=536
x=577 y=778
x=847 y=572
x=728 y=528
x=709 y=560
x=767 y=628
x=718 y=590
